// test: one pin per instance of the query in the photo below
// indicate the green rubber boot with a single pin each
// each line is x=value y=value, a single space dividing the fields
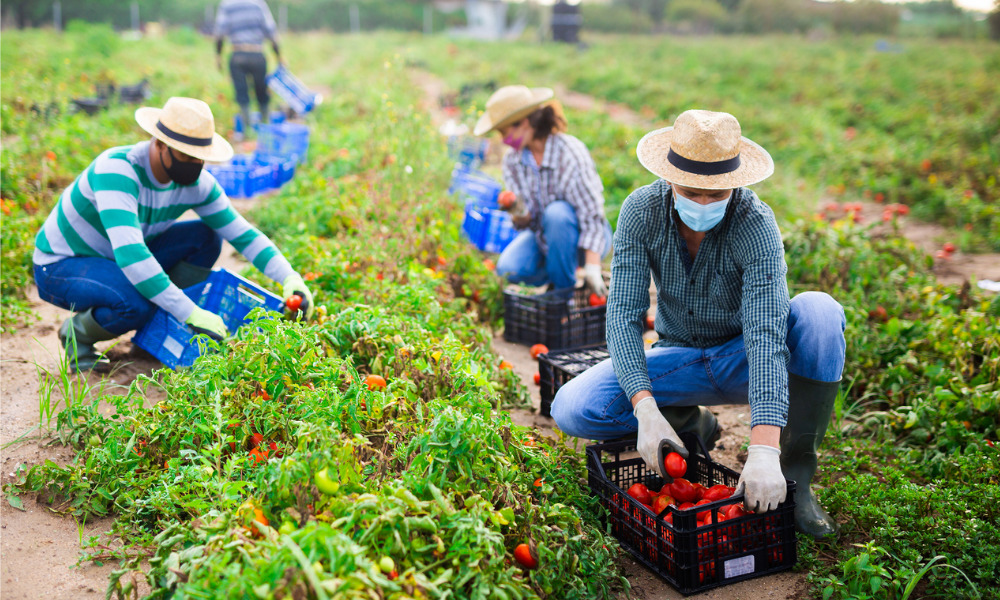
x=696 y=419
x=78 y=334
x=184 y=274
x=810 y=404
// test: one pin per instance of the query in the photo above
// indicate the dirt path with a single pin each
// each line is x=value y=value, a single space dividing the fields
x=39 y=548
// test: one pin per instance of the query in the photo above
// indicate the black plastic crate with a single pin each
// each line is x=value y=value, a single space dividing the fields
x=690 y=558
x=555 y=368
x=558 y=319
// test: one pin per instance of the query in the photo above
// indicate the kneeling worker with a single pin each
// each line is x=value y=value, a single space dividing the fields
x=112 y=248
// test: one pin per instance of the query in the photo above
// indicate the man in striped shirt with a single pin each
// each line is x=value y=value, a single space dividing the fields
x=728 y=332
x=247 y=23
x=112 y=249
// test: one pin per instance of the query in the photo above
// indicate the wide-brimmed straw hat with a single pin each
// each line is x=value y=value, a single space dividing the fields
x=704 y=150
x=186 y=124
x=509 y=104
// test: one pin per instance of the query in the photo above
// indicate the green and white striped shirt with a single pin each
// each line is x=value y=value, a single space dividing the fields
x=116 y=205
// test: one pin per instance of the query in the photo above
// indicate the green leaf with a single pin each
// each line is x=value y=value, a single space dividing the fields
x=15 y=501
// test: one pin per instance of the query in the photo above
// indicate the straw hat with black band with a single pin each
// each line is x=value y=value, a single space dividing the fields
x=187 y=125
x=510 y=104
x=704 y=150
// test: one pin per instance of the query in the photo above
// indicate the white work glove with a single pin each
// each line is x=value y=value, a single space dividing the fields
x=208 y=323
x=294 y=284
x=762 y=480
x=595 y=279
x=654 y=433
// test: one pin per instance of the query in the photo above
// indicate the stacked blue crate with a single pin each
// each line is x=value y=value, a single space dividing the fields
x=487 y=227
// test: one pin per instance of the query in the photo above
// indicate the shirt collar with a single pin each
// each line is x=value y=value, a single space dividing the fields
x=528 y=159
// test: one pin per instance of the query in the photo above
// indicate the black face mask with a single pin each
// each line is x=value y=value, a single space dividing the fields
x=181 y=173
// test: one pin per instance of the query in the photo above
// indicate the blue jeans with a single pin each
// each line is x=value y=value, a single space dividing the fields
x=82 y=282
x=523 y=261
x=593 y=405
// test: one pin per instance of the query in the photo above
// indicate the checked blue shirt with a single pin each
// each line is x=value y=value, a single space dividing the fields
x=734 y=286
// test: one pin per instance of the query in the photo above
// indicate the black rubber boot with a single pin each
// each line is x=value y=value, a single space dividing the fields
x=184 y=274
x=695 y=419
x=810 y=404
x=78 y=334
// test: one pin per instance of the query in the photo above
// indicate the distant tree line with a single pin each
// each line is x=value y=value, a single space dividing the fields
x=634 y=16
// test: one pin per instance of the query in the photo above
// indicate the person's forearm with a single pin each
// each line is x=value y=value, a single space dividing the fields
x=766 y=435
x=636 y=399
x=277 y=52
x=592 y=258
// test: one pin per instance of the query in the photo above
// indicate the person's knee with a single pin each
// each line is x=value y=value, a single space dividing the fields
x=558 y=215
x=509 y=265
x=817 y=310
x=567 y=413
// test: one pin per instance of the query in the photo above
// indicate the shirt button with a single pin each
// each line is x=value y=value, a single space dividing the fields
x=692 y=282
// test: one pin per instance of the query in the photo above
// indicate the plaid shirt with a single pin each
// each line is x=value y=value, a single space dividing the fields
x=735 y=285
x=567 y=173
x=245 y=21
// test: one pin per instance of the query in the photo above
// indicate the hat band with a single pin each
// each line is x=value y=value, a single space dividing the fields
x=180 y=137
x=698 y=167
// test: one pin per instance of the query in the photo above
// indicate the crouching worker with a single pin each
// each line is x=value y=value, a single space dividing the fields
x=728 y=332
x=113 y=251
x=558 y=201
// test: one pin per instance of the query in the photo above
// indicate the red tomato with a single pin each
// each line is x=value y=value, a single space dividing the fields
x=699 y=491
x=538 y=379
x=506 y=199
x=525 y=557
x=256 y=439
x=682 y=490
x=735 y=511
x=949 y=247
x=640 y=493
x=596 y=300
x=650 y=322
x=661 y=503
x=685 y=506
x=506 y=365
x=538 y=349
x=293 y=302
x=375 y=382
x=675 y=464
x=704 y=515
x=716 y=492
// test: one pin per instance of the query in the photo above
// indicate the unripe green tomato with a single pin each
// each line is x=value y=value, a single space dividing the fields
x=286 y=528
x=386 y=564
x=325 y=484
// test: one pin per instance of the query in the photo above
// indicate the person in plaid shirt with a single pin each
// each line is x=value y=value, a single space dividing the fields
x=728 y=331
x=558 y=200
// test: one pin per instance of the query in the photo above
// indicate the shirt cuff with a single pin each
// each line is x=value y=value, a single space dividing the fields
x=635 y=382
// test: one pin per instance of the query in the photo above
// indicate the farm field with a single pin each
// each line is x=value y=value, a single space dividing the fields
x=429 y=484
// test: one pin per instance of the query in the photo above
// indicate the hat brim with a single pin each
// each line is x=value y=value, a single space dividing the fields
x=756 y=164
x=217 y=152
x=539 y=96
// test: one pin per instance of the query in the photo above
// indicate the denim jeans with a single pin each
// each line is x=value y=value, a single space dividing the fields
x=523 y=261
x=593 y=405
x=81 y=282
x=253 y=65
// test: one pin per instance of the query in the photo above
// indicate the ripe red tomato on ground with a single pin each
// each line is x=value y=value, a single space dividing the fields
x=506 y=365
x=525 y=557
x=256 y=439
x=375 y=382
x=675 y=465
x=538 y=349
x=538 y=379
x=949 y=247
x=596 y=300
x=640 y=493
x=293 y=302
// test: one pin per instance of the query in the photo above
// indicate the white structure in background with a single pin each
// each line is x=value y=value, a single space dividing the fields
x=487 y=20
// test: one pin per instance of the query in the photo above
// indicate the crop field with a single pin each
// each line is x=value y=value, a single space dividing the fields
x=273 y=468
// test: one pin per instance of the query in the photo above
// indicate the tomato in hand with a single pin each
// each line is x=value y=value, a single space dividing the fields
x=506 y=199
x=525 y=557
x=596 y=300
x=293 y=302
x=675 y=465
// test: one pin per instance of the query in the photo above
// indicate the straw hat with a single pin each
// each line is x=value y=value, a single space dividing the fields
x=509 y=104
x=186 y=124
x=704 y=150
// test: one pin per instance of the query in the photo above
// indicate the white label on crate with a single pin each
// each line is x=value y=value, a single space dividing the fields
x=739 y=566
x=173 y=346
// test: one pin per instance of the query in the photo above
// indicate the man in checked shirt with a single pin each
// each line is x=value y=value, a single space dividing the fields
x=728 y=332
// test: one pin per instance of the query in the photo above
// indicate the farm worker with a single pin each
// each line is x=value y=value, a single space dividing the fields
x=728 y=332
x=247 y=23
x=112 y=248
x=559 y=196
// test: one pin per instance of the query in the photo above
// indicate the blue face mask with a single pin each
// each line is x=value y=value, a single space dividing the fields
x=700 y=217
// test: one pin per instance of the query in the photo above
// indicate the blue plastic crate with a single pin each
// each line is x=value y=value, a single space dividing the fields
x=488 y=229
x=226 y=294
x=294 y=92
x=282 y=169
x=286 y=140
x=475 y=186
x=243 y=176
x=469 y=151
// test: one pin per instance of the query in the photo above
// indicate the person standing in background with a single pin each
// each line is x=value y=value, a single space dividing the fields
x=247 y=23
